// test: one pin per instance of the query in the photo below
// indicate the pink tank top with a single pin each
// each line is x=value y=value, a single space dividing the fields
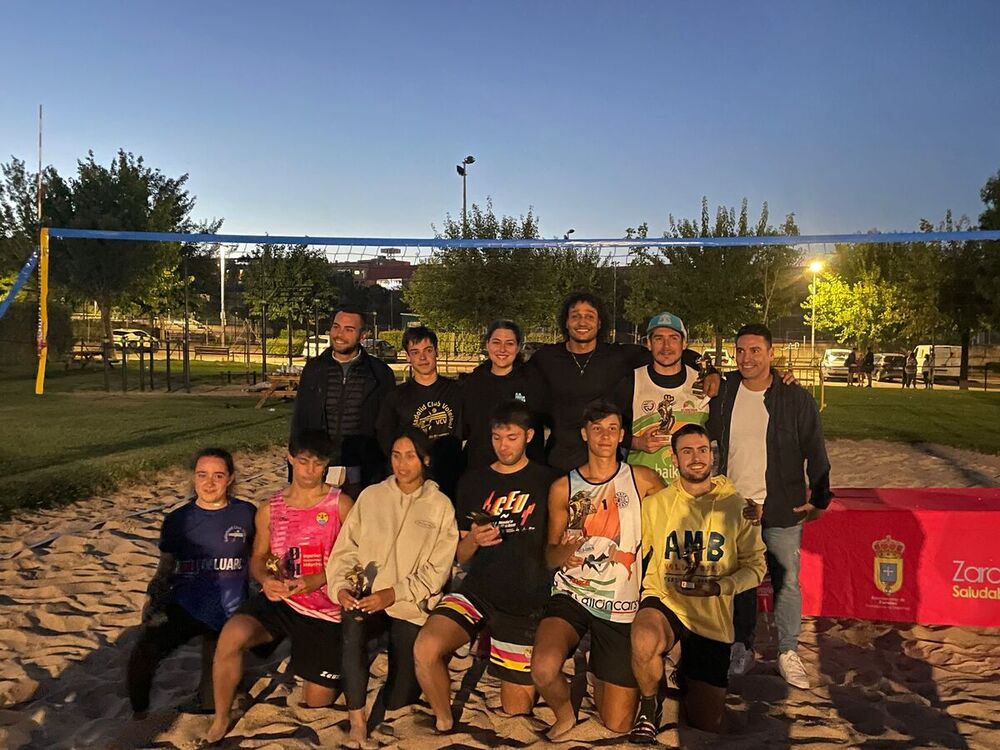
x=307 y=536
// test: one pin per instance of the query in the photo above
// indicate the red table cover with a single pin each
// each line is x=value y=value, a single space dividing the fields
x=912 y=555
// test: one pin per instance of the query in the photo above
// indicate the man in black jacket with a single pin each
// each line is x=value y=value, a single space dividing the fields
x=766 y=431
x=341 y=392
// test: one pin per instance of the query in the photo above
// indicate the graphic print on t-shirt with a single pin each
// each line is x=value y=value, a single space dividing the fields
x=664 y=411
x=510 y=511
x=434 y=418
x=606 y=583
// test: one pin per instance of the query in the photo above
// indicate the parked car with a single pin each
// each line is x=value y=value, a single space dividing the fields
x=834 y=364
x=889 y=366
x=177 y=326
x=134 y=338
x=724 y=360
x=947 y=360
x=314 y=345
x=380 y=349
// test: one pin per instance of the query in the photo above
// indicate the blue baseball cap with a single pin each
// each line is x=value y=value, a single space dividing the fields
x=667 y=320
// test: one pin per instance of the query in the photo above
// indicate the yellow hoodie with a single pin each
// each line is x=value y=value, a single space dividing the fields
x=733 y=553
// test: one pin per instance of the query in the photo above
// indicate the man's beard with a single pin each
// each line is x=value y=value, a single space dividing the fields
x=693 y=477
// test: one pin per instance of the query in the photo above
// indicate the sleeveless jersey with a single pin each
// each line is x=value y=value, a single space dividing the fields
x=607 y=583
x=304 y=538
x=665 y=409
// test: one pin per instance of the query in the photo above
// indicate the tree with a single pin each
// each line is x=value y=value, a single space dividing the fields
x=18 y=215
x=290 y=279
x=867 y=311
x=467 y=288
x=714 y=289
x=126 y=196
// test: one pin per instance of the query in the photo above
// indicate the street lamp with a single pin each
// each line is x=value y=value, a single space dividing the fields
x=816 y=266
x=463 y=170
x=568 y=233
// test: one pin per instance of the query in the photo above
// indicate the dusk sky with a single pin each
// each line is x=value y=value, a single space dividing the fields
x=348 y=119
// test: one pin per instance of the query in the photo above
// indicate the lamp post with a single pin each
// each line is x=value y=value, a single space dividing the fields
x=463 y=170
x=816 y=266
x=568 y=233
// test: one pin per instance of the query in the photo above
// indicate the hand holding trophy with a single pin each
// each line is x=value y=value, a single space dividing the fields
x=282 y=570
x=687 y=585
x=358 y=589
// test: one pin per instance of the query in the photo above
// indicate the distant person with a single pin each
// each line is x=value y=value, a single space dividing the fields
x=201 y=579
x=771 y=447
x=852 y=363
x=401 y=538
x=295 y=533
x=867 y=367
x=926 y=371
x=583 y=368
x=503 y=377
x=430 y=402
x=340 y=392
x=910 y=371
x=697 y=521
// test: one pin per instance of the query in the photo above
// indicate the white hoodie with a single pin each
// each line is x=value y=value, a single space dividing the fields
x=411 y=539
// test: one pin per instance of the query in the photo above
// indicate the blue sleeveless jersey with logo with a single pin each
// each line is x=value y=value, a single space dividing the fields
x=211 y=551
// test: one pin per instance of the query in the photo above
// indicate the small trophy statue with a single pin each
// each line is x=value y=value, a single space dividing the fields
x=704 y=367
x=667 y=418
x=480 y=518
x=282 y=568
x=358 y=583
x=692 y=561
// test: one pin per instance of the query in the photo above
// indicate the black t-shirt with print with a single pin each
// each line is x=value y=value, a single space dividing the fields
x=512 y=575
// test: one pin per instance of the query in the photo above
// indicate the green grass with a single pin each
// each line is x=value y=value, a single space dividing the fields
x=968 y=419
x=77 y=440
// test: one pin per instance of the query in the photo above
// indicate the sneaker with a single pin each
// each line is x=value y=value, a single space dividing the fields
x=793 y=670
x=643 y=731
x=741 y=660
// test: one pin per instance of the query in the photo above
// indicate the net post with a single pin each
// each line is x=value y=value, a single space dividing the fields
x=43 y=310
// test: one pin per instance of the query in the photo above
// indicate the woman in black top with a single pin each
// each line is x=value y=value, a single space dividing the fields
x=501 y=378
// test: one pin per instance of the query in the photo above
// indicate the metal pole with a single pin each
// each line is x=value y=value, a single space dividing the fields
x=263 y=341
x=187 y=332
x=289 y=339
x=142 y=369
x=222 y=290
x=812 y=293
x=169 y=385
x=465 y=215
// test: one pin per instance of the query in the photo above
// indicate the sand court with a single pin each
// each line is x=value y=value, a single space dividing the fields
x=74 y=578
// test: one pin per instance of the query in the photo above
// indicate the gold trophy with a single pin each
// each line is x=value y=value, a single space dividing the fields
x=282 y=568
x=357 y=580
x=667 y=418
x=692 y=561
x=704 y=368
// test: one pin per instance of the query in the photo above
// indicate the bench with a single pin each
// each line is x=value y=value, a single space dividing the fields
x=200 y=350
x=287 y=382
x=84 y=355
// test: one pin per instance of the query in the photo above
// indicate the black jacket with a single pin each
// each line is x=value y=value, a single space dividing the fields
x=794 y=436
x=367 y=383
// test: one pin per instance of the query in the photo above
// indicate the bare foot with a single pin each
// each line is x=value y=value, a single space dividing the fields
x=565 y=721
x=444 y=725
x=217 y=730
x=359 y=734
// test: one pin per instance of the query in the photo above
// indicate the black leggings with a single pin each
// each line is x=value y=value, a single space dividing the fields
x=401 y=686
x=156 y=643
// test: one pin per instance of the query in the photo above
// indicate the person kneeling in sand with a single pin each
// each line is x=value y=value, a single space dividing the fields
x=502 y=520
x=387 y=570
x=593 y=539
x=699 y=551
x=296 y=531
x=201 y=579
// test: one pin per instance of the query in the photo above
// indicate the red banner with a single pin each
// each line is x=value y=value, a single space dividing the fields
x=912 y=555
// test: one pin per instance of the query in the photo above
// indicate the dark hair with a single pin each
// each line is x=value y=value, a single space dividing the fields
x=574 y=299
x=222 y=453
x=512 y=413
x=421 y=444
x=316 y=442
x=755 y=329
x=598 y=410
x=691 y=428
x=506 y=325
x=416 y=334
x=351 y=310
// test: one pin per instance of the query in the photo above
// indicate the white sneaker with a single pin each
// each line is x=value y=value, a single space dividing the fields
x=741 y=660
x=793 y=670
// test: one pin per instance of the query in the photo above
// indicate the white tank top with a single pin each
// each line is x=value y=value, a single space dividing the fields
x=608 y=514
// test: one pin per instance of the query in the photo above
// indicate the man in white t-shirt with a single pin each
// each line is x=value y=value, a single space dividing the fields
x=770 y=440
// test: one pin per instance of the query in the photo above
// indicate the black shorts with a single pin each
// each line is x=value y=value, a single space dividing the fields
x=316 y=643
x=511 y=636
x=610 y=642
x=702 y=658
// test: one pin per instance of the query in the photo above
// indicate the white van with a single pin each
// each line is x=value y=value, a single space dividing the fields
x=947 y=360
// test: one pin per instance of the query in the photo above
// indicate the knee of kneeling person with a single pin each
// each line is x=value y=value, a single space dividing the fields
x=545 y=668
x=426 y=650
